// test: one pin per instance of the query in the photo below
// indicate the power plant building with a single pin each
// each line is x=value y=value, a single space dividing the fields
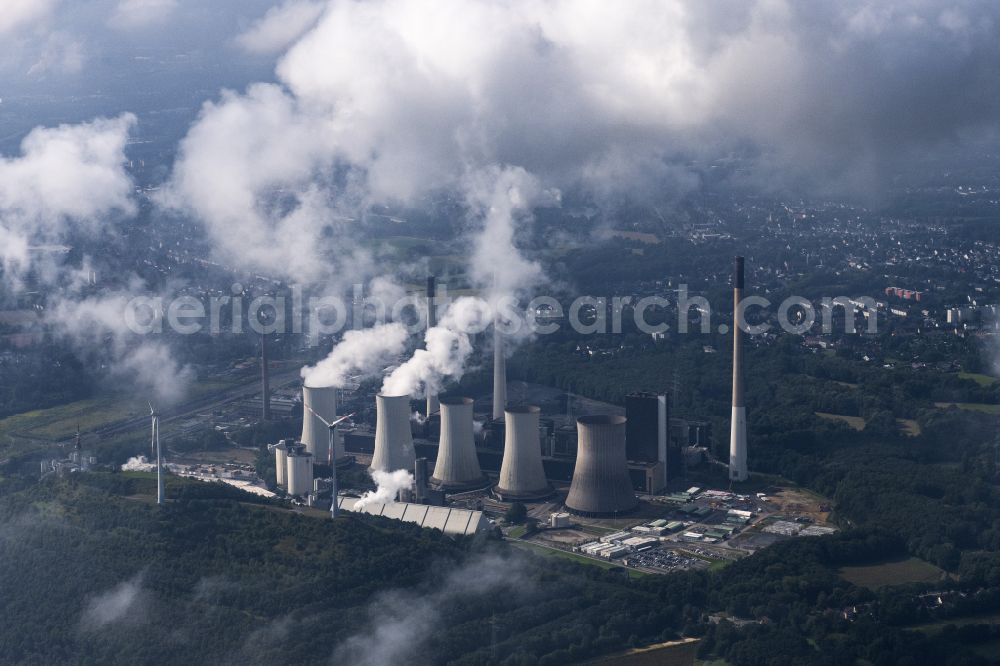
x=522 y=476
x=457 y=466
x=454 y=522
x=601 y=484
x=393 y=437
x=647 y=437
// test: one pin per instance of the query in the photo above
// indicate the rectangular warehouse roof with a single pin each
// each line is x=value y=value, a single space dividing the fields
x=448 y=520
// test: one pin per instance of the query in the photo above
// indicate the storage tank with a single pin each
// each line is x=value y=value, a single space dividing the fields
x=319 y=403
x=299 y=471
x=601 y=485
x=522 y=476
x=457 y=467
x=393 y=438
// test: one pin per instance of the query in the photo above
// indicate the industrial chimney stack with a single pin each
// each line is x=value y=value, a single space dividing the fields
x=499 y=374
x=432 y=399
x=522 y=476
x=738 y=420
x=457 y=466
x=319 y=403
x=265 y=380
x=393 y=438
x=601 y=485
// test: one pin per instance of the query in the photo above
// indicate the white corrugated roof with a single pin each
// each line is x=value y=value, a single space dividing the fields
x=446 y=519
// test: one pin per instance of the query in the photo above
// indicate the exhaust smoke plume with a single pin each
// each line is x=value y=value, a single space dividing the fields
x=389 y=484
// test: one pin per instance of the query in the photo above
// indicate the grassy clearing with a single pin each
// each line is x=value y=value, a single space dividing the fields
x=896 y=572
x=855 y=422
x=982 y=380
x=555 y=552
x=970 y=406
x=517 y=532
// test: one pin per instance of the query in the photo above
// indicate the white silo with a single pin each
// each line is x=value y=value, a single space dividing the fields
x=457 y=466
x=393 y=437
x=522 y=476
x=319 y=403
x=601 y=484
x=299 y=471
x=280 y=462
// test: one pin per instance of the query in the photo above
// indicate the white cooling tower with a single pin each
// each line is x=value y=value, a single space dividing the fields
x=393 y=438
x=319 y=403
x=601 y=484
x=522 y=476
x=299 y=472
x=457 y=466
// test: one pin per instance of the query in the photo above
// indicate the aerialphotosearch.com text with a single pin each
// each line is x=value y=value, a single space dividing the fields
x=319 y=316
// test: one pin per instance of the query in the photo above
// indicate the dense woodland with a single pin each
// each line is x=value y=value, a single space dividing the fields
x=222 y=577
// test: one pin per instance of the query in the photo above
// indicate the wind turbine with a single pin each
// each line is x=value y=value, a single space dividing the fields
x=334 y=510
x=161 y=497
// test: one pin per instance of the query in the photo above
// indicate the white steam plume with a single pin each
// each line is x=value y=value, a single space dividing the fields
x=363 y=351
x=448 y=348
x=401 y=622
x=126 y=603
x=389 y=484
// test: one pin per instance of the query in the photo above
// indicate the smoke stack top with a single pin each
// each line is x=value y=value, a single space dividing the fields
x=431 y=287
x=738 y=273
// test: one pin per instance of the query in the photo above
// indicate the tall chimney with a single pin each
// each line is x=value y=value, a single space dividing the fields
x=393 y=438
x=319 y=403
x=265 y=380
x=432 y=400
x=457 y=466
x=522 y=476
x=499 y=374
x=738 y=420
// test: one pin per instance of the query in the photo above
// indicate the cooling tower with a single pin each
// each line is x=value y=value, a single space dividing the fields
x=432 y=398
x=457 y=467
x=499 y=375
x=319 y=403
x=299 y=471
x=738 y=421
x=522 y=476
x=393 y=438
x=601 y=485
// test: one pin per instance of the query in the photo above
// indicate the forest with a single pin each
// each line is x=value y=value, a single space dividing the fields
x=219 y=576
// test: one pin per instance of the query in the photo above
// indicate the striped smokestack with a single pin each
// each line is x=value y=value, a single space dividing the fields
x=433 y=404
x=738 y=420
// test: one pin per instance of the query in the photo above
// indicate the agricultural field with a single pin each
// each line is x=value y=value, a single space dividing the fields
x=855 y=422
x=983 y=407
x=896 y=572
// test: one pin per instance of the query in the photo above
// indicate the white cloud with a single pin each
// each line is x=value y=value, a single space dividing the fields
x=66 y=175
x=281 y=26
x=17 y=14
x=130 y=14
